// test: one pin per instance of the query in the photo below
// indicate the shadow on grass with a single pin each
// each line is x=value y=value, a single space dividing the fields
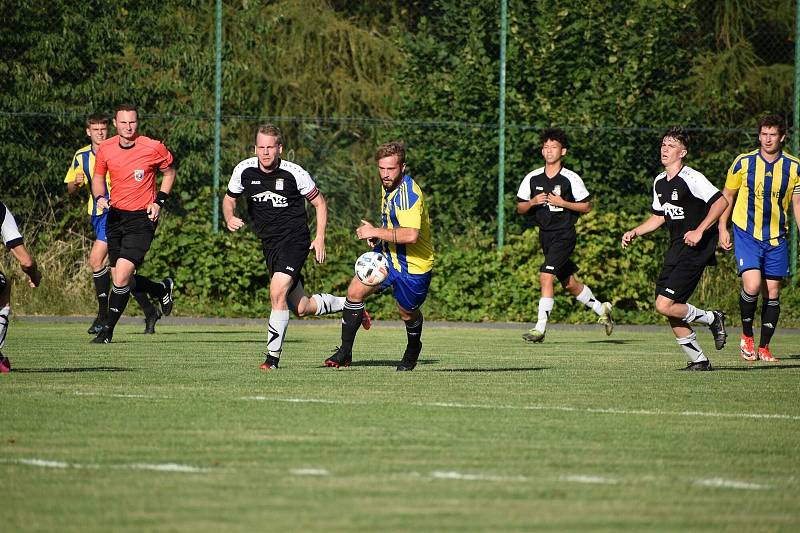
x=754 y=367
x=71 y=370
x=614 y=341
x=390 y=362
x=505 y=369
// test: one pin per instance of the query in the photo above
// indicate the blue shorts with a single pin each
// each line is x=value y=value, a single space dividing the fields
x=99 y=225
x=410 y=290
x=753 y=254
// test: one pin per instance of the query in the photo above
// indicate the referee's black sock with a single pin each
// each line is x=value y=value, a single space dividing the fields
x=117 y=303
x=747 y=306
x=352 y=314
x=102 y=283
x=770 y=312
x=143 y=284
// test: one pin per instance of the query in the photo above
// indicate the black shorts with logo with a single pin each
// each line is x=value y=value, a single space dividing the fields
x=683 y=267
x=287 y=257
x=558 y=246
x=3 y=282
x=129 y=234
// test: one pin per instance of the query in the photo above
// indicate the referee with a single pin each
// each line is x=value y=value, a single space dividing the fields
x=131 y=161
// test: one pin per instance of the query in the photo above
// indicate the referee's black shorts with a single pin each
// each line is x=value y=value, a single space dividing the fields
x=286 y=256
x=558 y=246
x=129 y=234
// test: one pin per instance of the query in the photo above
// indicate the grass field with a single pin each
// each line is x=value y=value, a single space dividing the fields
x=181 y=432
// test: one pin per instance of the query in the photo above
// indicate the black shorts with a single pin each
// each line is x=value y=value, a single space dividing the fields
x=558 y=246
x=287 y=257
x=683 y=267
x=129 y=235
x=3 y=283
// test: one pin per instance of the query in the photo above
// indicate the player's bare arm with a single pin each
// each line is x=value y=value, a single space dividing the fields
x=524 y=207
x=80 y=179
x=318 y=244
x=724 y=235
x=228 y=206
x=396 y=235
x=691 y=238
x=649 y=225
x=796 y=209
x=579 y=207
x=27 y=264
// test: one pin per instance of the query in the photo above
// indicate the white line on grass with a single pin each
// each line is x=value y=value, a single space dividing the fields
x=730 y=484
x=310 y=472
x=438 y=474
x=592 y=480
x=139 y=396
x=566 y=409
x=159 y=467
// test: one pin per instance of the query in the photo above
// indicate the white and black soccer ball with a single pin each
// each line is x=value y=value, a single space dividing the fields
x=372 y=268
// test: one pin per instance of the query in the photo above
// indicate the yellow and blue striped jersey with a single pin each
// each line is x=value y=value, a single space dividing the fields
x=84 y=160
x=405 y=207
x=765 y=191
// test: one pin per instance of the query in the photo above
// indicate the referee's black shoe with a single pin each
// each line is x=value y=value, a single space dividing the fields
x=104 y=337
x=717 y=328
x=699 y=366
x=150 y=322
x=339 y=359
x=96 y=326
x=166 y=300
x=409 y=359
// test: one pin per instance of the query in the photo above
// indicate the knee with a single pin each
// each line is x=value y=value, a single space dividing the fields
x=663 y=307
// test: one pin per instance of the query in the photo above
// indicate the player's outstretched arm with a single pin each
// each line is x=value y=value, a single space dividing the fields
x=228 y=206
x=399 y=235
x=649 y=225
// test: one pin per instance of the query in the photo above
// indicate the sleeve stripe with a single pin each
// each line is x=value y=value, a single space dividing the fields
x=313 y=193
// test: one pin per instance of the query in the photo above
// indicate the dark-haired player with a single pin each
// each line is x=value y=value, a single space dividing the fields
x=14 y=242
x=131 y=161
x=761 y=183
x=553 y=197
x=80 y=174
x=689 y=205
x=276 y=192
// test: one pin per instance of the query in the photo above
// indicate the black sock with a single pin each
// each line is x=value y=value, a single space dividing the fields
x=117 y=303
x=143 y=284
x=352 y=314
x=102 y=282
x=770 y=312
x=144 y=302
x=414 y=335
x=747 y=306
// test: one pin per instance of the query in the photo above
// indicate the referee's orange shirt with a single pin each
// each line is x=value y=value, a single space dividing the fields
x=132 y=170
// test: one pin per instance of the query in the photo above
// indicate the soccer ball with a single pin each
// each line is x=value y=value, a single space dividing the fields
x=372 y=268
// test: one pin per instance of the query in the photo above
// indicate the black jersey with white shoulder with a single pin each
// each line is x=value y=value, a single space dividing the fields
x=276 y=200
x=10 y=232
x=684 y=201
x=566 y=184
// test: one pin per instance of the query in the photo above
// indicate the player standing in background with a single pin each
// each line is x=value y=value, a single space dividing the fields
x=404 y=238
x=80 y=175
x=14 y=242
x=553 y=197
x=131 y=161
x=767 y=178
x=689 y=205
x=276 y=192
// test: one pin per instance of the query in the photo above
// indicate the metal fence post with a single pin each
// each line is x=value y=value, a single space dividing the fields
x=217 y=110
x=501 y=150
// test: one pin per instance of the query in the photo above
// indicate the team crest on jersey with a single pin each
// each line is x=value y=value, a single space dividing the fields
x=674 y=196
x=138 y=175
x=268 y=196
x=279 y=184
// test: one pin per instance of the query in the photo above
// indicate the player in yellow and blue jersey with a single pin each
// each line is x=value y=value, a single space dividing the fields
x=80 y=174
x=404 y=237
x=766 y=181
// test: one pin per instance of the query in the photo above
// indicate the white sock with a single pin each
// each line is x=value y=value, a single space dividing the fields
x=587 y=298
x=328 y=303
x=693 y=351
x=545 y=306
x=278 y=322
x=5 y=312
x=694 y=314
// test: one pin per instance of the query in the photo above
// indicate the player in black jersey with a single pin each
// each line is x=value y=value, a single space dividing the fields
x=553 y=197
x=689 y=205
x=14 y=242
x=276 y=192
